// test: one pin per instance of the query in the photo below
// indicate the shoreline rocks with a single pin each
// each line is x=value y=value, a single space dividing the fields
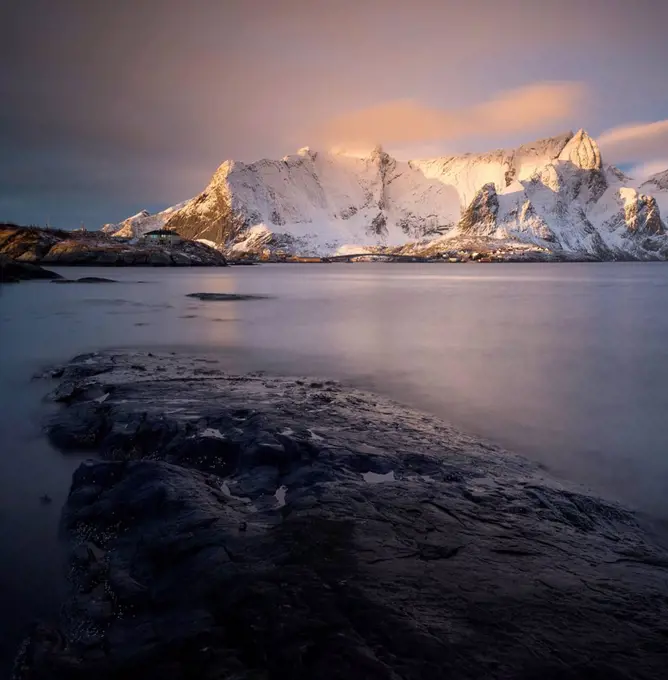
x=225 y=297
x=87 y=279
x=12 y=271
x=63 y=248
x=242 y=526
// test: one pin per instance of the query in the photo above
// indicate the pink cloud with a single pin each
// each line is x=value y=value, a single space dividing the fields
x=406 y=121
x=635 y=142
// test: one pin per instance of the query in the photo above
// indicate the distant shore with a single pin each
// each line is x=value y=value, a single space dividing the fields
x=62 y=248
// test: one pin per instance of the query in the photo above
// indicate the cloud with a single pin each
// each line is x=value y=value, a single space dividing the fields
x=408 y=121
x=635 y=142
x=644 y=171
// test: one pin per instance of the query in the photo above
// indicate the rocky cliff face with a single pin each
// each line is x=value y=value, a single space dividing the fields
x=554 y=193
x=479 y=219
x=582 y=151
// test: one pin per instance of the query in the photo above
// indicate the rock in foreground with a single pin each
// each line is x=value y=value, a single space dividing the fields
x=252 y=527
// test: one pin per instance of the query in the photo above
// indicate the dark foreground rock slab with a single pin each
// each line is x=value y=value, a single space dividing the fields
x=222 y=297
x=12 y=271
x=256 y=528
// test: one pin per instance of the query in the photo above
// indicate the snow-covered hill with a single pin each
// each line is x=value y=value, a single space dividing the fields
x=554 y=193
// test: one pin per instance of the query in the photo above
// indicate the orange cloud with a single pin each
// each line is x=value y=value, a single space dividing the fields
x=408 y=121
x=635 y=142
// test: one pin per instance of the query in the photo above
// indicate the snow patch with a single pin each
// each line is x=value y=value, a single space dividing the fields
x=206 y=242
x=280 y=496
x=213 y=434
x=377 y=478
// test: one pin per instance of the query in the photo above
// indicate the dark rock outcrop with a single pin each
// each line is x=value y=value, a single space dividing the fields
x=12 y=271
x=642 y=216
x=87 y=279
x=252 y=527
x=225 y=297
x=479 y=218
x=56 y=247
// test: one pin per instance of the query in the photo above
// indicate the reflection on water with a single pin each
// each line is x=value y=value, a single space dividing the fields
x=564 y=363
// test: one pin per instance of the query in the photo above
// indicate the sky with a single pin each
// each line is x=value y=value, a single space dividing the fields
x=112 y=107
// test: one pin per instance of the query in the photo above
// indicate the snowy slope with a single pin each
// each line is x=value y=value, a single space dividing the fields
x=143 y=221
x=554 y=193
x=570 y=204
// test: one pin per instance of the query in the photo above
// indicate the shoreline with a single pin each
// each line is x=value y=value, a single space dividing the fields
x=95 y=248
x=297 y=527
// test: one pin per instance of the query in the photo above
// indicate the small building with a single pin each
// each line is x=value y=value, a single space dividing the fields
x=162 y=236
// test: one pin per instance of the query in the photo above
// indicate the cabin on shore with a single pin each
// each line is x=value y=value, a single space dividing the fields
x=162 y=236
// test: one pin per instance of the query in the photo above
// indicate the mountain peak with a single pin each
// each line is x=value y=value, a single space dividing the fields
x=658 y=180
x=306 y=151
x=582 y=151
x=552 y=193
x=223 y=171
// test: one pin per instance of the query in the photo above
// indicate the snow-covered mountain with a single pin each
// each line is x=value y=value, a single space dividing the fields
x=553 y=194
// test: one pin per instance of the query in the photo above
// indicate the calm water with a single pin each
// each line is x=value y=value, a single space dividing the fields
x=567 y=364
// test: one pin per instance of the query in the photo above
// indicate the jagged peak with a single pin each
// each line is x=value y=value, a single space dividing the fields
x=614 y=172
x=547 y=146
x=224 y=170
x=641 y=212
x=582 y=151
x=380 y=156
x=307 y=152
x=141 y=214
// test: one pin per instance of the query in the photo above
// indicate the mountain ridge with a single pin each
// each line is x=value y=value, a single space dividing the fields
x=554 y=193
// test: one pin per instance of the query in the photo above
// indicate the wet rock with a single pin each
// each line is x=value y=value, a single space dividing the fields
x=254 y=532
x=73 y=390
x=12 y=271
x=86 y=279
x=81 y=428
x=226 y=296
x=124 y=586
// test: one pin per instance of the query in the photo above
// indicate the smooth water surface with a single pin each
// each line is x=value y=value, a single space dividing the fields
x=567 y=364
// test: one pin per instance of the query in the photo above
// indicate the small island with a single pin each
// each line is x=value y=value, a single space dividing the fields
x=55 y=247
